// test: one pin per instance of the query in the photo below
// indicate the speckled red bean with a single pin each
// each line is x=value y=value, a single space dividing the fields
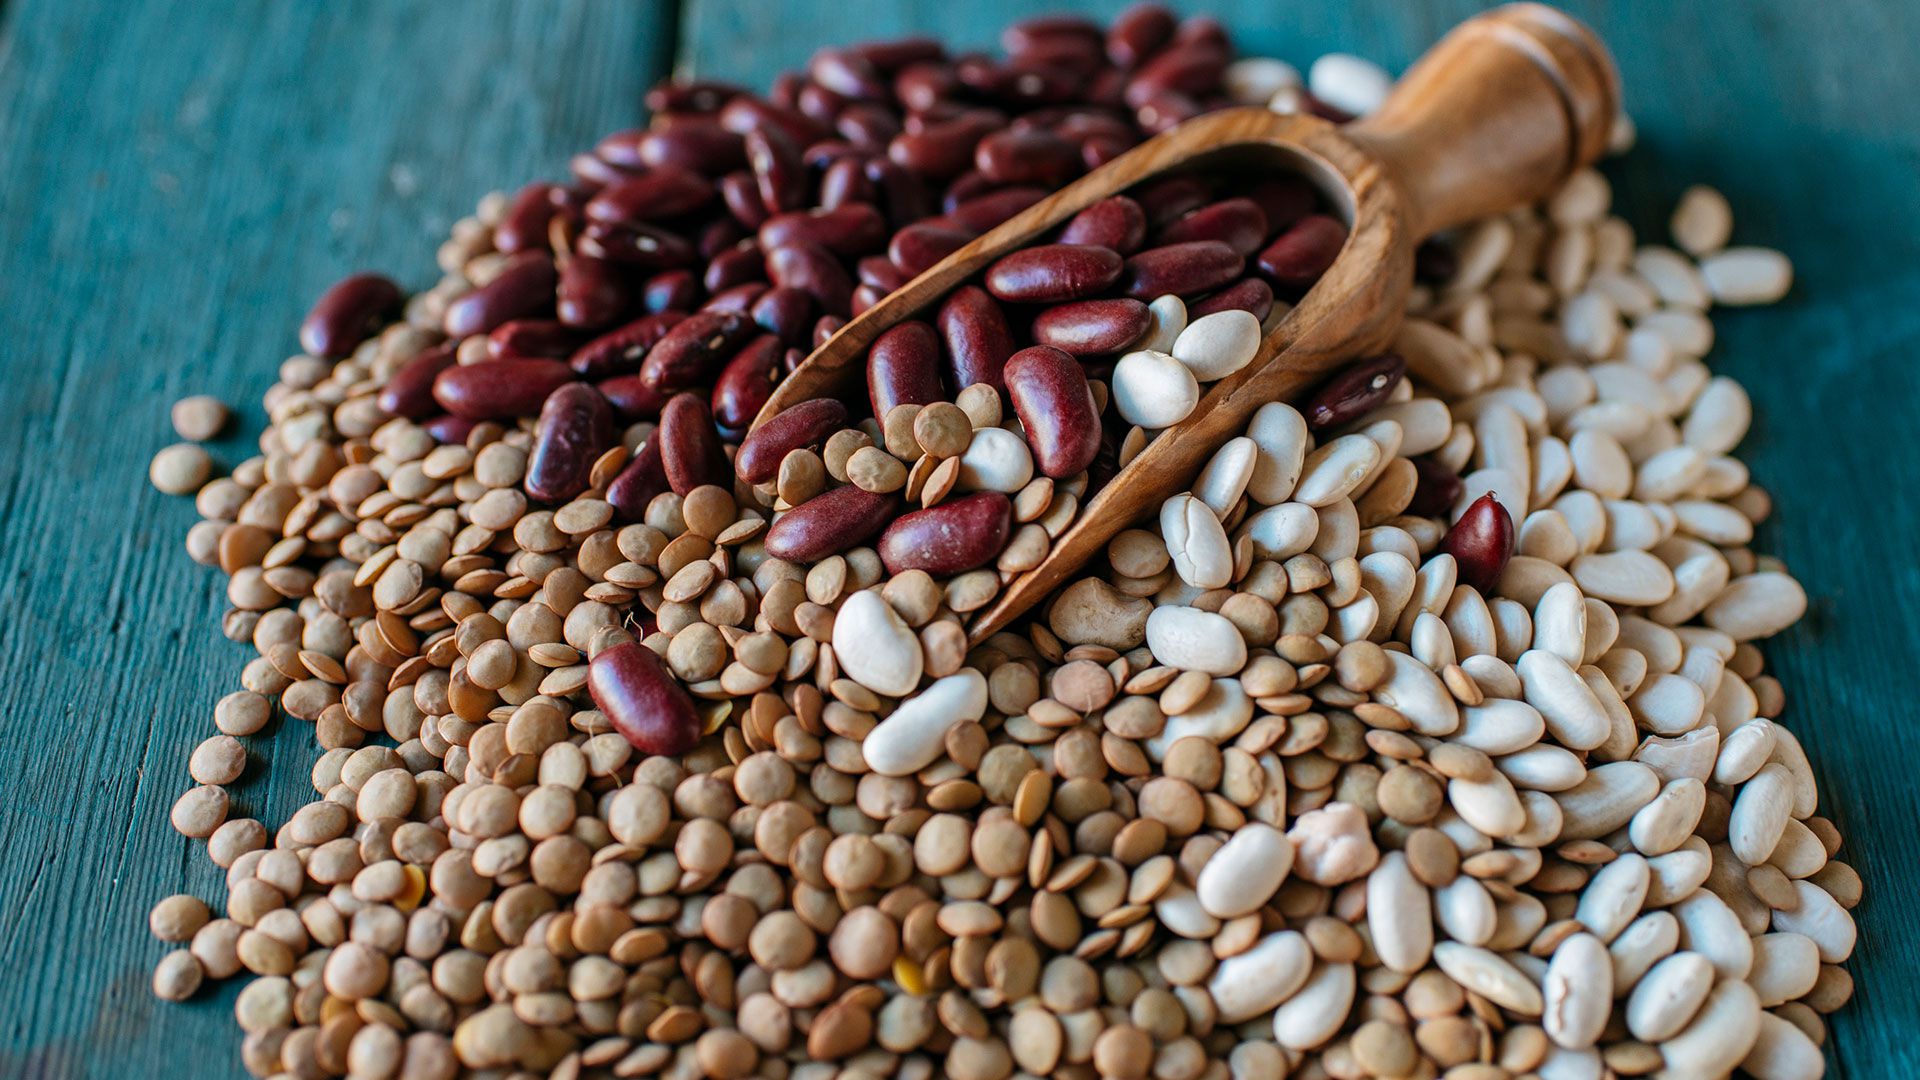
x=620 y=351
x=664 y=192
x=1300 y=255
x=1481 y=542
x=812 y=269
x=576 y=425
x=1055 y=405
x=1171 y=197
x=632 y=399
x=670 y=290
x=524 y=286
x=496 y=389
x=903 y=367
x=1249 y=294
x=1092 y=327
x=916 y=248
x=591 y=292
x=449 y=429
x=1181 y=269
x=785 y=313
x=746 y=383
x=829 y=523
x=950 y=538
x=853 y=229
x=1116 y=223
x=644 y=478
x=690 y=450
x=540 y=338
x=1051 y=273
x=642 y=700
x=1354 y=392
x=1435 y=488
x=806 y=424
x=1027 y=157
x=977 y=338
x=350 y=310
x=524 y=225
x=1238 y=223
x=983 y=213
x=410 y=392
x=693 y=350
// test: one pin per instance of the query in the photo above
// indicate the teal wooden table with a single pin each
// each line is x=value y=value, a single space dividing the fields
x=182 y=177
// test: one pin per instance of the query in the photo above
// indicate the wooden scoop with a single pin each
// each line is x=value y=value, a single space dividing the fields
x=1496 y=115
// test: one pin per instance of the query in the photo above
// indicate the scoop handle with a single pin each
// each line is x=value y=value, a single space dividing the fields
x=1496 y=115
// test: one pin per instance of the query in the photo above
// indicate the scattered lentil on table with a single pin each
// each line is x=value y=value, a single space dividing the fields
x=1427 y=735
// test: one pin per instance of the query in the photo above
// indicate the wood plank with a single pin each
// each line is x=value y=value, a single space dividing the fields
x=183 y=177
x=1778 y=105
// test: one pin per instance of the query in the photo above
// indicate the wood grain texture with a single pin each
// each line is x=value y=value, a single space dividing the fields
x=1807 y=122
x=183 y=177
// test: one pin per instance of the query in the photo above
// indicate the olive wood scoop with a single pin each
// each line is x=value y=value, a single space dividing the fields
x=1496 y=115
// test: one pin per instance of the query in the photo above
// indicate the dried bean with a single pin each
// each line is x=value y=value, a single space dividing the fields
x=903 y=367
x=978 y=340
x=690 y=450
x=1051 y=273
x=1180 y=269
x=349 y=311
x=643 y=700
x=806 y=424
x=576 y=425
x=525 y=286
x=694 y=349
x=1049 y=393
x=951 y=538
x=499 y=388
x=829 y=523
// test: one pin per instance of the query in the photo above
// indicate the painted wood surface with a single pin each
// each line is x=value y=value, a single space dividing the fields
x=181 y=177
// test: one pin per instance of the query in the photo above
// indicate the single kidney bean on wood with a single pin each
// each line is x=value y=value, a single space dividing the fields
x=1115 y=222
x=1055 y=405
x=806 y=424
x=977 y=337
x=620 y=351
x=496 y=389
x=694 y=348
x=642 y=700
x=746 y=383
x=644 y=478
x=1300 y=255
x=1238 y=223
x=829 y=523
x=592 y=292
x=903 y=367
x=1354 y=392
x=1187 y=269
x=524 y=286
x=1050 y=273
x=410 y=392
x=1249 y=294
x=1091 y=327
x=576 y=426
x=950 y=538
x=690 y=450
x=350 y=310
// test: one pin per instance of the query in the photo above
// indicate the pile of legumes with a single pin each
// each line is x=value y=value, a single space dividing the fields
x=1425 y=736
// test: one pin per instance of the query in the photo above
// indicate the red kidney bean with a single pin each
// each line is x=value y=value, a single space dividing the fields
x=968 y=185
x=719 y=235
x=979 y=215
x=1069 y=59
x=639 y=483
x=824 y=328
x=806 y=424
x=1323 y=110
x=845 y=182
x=819 y=104
x=739 y=299
x=1015 y=84
x=869 y=127
x=1284 y=200
x=903 y=193
x=1115 y=222
x=747 y=113
x=1248 y=294
x=778 y=172
x=1481 y=542
x=1300 y=255
x=621 y=350
x=494 y=389
x=848 y=74
x=800 y=264
x=891 y=56
x=704 y=147
x=667 y=191
x=903 y=367
x=697 y=96
x=1080 y=123
x=689 y=447
x=1050 y=273
x=1192 y=69
x=1166 y=109
x=916 y=248
x=742 y=196
x=1435 y=488
x=1056 y=407
x=448 y=430
x=1171 y=197
x=576 y=426
x=829 y=523
x=591 y=292
x=642 y=246
x=921 y=86
x=881 y=273
x=785 y=313
x=864 y=297
x=1097 y=150
x=524 y=225
x=539 y=338
x=1035 y=157
x=631 y=398
x=853 y=229
x=409 y=392
x=1202 y=30
x=1025 y=34
x=347 y=313
x=1197 y=266
x=819 y=155
x=693 y=349
x=1238 y=223
x=1354 y=392
x=943 y=149
x=670 y=290
x=593 y=172
x=950 y=538
x=746 y=383
x=642 y=700
x=737 y=265
x=1138 y=33
x=978 y=340
x=1092 y=327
